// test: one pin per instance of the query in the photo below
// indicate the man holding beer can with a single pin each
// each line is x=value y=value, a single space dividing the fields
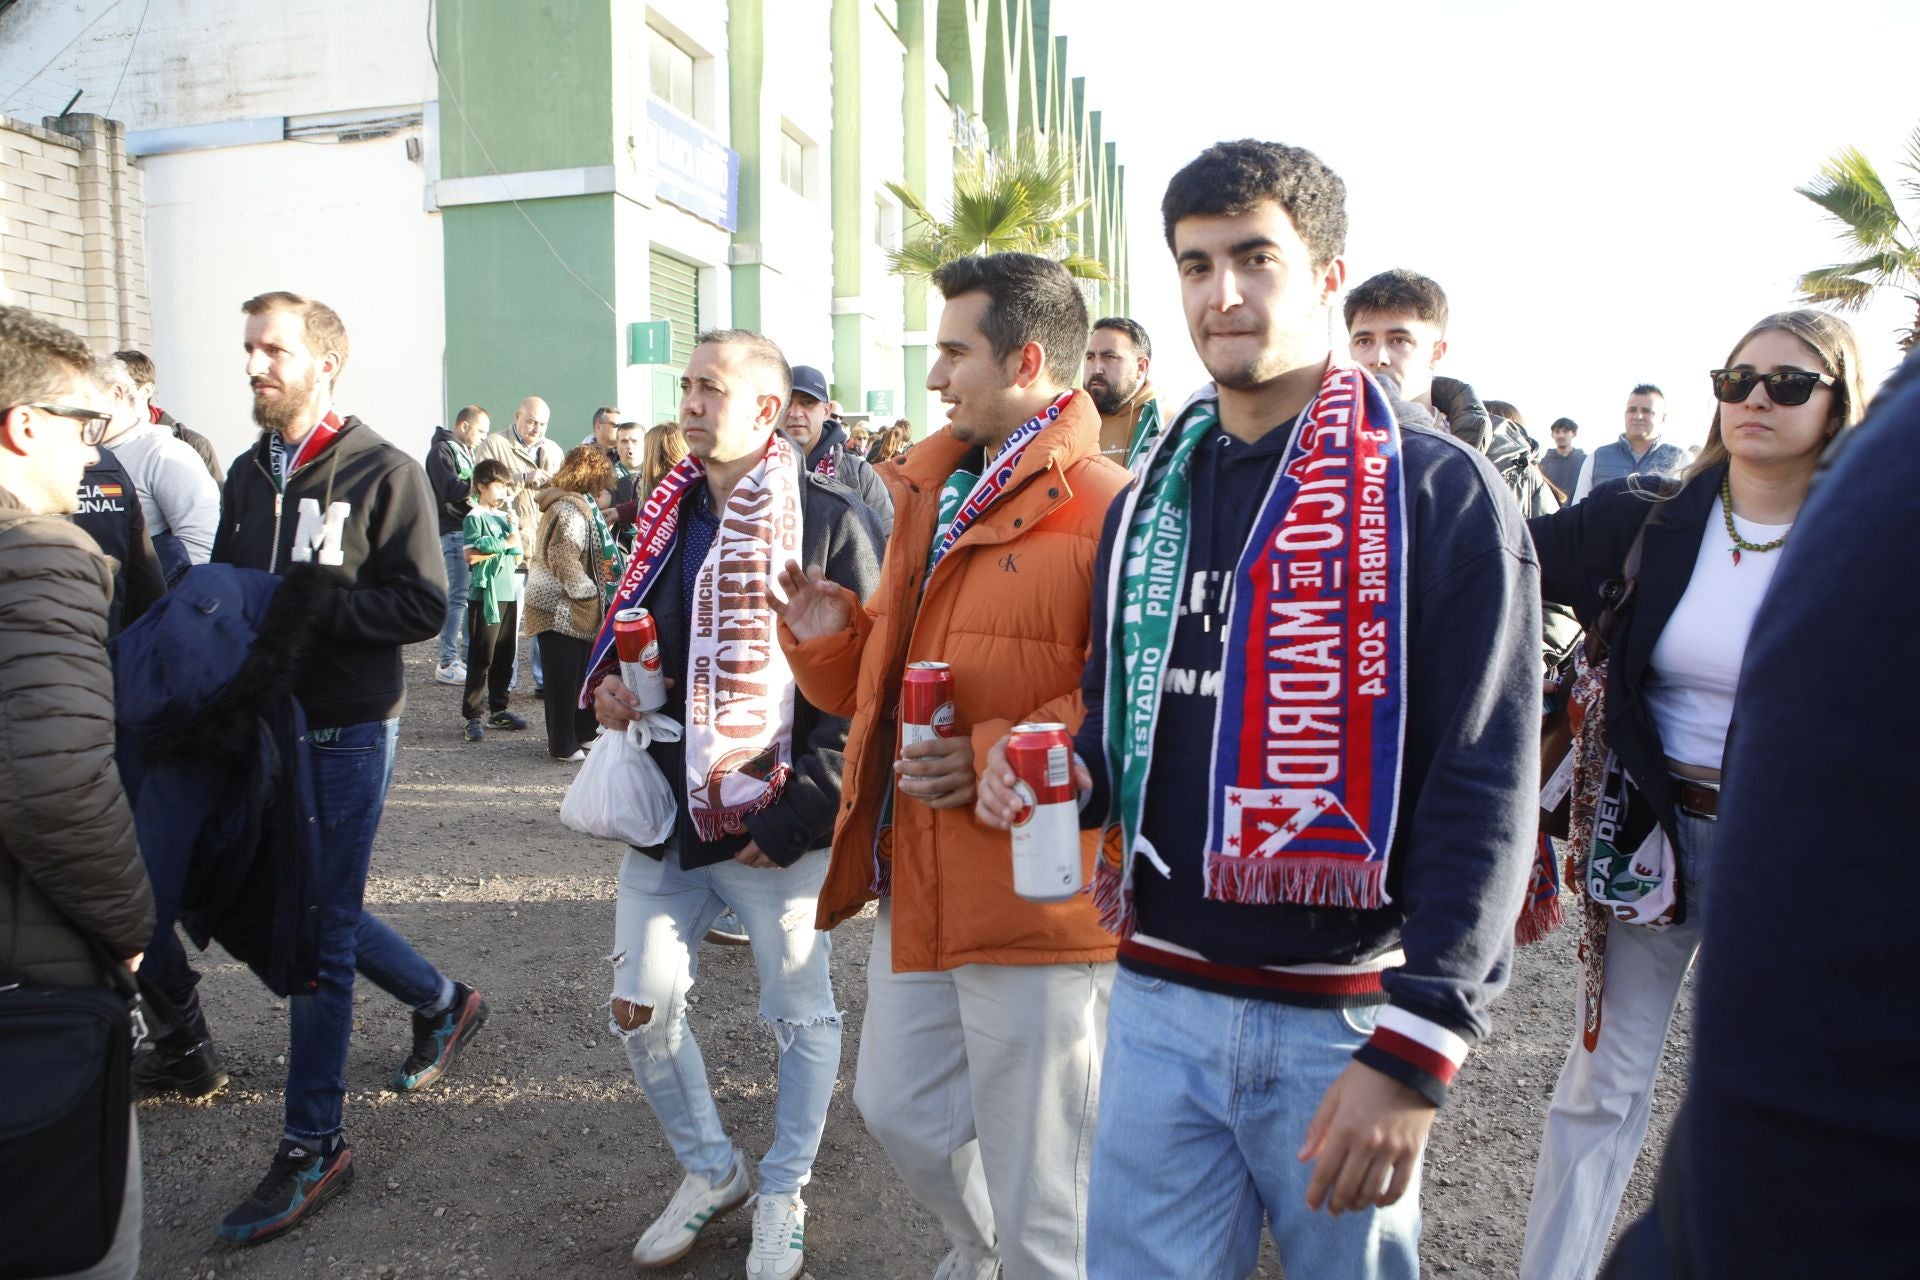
x=756 y=779
x=1313 y=736
x=980 y=1054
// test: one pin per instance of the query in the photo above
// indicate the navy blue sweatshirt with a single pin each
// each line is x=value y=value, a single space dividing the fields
x=1469 y=794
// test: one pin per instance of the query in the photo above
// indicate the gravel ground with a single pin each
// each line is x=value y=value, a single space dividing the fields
x=539 y=1158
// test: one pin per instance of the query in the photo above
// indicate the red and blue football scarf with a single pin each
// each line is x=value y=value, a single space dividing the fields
x=1306 y=757
x=995 y=477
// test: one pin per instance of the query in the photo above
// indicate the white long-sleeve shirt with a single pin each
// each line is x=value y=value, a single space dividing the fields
x=176 y=494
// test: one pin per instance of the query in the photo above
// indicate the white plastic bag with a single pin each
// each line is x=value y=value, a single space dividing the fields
x=620 y=793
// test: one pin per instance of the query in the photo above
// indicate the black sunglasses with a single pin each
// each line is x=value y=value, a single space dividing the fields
x=1787 y=387
x=93 y=423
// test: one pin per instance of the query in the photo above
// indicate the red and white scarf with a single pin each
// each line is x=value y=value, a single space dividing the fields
x=995 y=477
x=739 y=733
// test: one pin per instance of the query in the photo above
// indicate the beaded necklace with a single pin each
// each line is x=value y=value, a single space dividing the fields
x=1739 y=543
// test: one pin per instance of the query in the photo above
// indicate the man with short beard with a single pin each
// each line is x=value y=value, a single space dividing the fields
x=524 y=449
x=321 y=488
x=1118 y=355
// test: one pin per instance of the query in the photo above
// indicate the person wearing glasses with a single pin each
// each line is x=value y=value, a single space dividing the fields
x=70 y=870
x=1707 y=545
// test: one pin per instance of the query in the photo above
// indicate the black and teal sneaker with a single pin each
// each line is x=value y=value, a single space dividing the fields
x=438 y=1040
x=298 y=1182
x=505 y=720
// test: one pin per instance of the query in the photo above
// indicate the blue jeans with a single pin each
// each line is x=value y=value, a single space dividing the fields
x=1204 y=1099
x=453 y=633
x=352 y=767
x=662 y=913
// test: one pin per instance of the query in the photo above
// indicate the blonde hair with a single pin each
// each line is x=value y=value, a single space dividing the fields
x=1831 y=338
x=666 y=446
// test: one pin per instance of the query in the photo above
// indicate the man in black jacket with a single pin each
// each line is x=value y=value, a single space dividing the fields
x=823 y=440
x=71 y=877
x=450 y=476
x=324 y=489
x=756 y=785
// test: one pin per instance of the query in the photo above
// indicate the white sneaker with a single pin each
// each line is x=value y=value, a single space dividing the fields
x=451 y=673
x=693 y=1206
x=779 y=1237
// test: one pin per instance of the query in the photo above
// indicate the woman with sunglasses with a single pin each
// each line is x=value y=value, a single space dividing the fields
x=1708 y=542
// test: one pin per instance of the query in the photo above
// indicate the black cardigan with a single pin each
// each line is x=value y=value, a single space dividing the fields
x=1583 y=548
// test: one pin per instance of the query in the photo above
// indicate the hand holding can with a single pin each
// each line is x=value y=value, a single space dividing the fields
x=1046 y=829
x=637 y=637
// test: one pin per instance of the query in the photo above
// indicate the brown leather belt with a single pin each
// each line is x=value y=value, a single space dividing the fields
x=1701 y=799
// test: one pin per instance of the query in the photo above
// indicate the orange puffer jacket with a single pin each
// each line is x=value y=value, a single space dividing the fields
x=1007 y=609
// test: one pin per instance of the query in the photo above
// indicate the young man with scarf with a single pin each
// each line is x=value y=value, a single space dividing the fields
x=980 y=1059
x=823 y=440
x=1312 y=733
x=323 y=489
x=756 y=781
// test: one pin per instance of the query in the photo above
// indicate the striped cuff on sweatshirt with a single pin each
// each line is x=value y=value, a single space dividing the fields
x=1420 y=1054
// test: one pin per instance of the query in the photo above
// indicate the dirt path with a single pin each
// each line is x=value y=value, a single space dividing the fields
x=539 y=1158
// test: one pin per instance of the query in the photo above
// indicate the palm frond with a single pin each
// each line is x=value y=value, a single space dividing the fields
x=1848 y=188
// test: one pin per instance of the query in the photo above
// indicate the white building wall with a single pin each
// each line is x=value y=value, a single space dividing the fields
x=883 y=142
x=797 y=228
x=340 y=222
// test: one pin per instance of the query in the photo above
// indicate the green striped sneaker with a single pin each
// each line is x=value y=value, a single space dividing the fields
x=779 y=1237
x=697 y=1203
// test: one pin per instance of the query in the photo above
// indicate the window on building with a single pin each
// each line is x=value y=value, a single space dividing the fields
x=670 y=73
x=793 y=163
x=674 y=294
x=886 y=223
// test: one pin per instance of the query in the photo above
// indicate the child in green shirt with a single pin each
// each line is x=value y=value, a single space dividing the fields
x=493 y=606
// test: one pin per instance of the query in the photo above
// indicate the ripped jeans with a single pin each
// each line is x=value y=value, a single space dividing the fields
x=662 y=913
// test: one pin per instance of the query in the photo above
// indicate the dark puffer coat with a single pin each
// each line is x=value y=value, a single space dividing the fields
x=68 y=858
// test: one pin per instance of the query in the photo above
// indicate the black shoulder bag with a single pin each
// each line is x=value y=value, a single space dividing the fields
x=66 y=1064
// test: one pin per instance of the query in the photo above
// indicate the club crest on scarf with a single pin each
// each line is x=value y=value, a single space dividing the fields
x=1306 y=757
x=739 y=688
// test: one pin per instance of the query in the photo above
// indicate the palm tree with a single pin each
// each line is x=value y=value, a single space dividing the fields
x=1015 y=201
x=1871 y=224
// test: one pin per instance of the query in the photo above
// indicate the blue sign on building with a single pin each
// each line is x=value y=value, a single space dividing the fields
x=692 y=168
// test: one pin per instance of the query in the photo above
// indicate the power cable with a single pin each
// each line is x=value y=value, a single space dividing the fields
x=446 y=87
x=140 y=27
x=115 y=4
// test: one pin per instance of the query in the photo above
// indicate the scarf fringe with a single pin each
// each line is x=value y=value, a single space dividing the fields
x=1113 y=899
x=1538 y=920
x=1319 y=881
x=715 y=824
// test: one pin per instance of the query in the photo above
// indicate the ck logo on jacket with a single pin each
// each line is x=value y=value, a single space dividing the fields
x=318 y=540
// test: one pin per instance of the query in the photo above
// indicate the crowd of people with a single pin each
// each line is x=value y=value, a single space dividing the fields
x=1363 y=689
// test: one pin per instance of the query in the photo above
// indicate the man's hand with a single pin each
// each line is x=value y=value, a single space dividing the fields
x=1366 y=1137
x=999 y=804
x=614 y=705
x=752 y=857
x=938 y=773
x=815 y=605
x=537 y=479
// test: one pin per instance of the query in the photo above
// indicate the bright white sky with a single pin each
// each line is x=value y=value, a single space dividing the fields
x=1605 y=193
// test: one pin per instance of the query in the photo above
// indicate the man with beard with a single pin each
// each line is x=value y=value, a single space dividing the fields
x=319 y=488
x=1118 y=354
x=822 y=439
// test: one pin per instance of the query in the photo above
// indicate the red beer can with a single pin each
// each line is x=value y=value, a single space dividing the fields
x=1046 y=833
x=926 y=703
x=637 y=636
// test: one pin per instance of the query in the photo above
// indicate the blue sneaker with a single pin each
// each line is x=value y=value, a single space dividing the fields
x=505 y=720
x=298 y=1182
x=437 y=1041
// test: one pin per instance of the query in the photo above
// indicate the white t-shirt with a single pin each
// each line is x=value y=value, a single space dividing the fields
x=1696 y=661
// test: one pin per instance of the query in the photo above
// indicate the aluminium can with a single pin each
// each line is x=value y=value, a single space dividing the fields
x=926 y=703
x=637 y=637
x=1046 y=832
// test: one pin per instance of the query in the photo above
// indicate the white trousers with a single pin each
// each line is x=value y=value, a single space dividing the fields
x=1604 y=1098
x=982 y=1083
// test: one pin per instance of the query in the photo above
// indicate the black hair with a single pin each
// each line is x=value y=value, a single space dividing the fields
x=490 y=471
x=1029 y=299
x=1567 y=423
x=1234 y=177
x=1647 y=389
x=1506 y=409
x=1396 y=291
x=764 y=357
x=1136 y=334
